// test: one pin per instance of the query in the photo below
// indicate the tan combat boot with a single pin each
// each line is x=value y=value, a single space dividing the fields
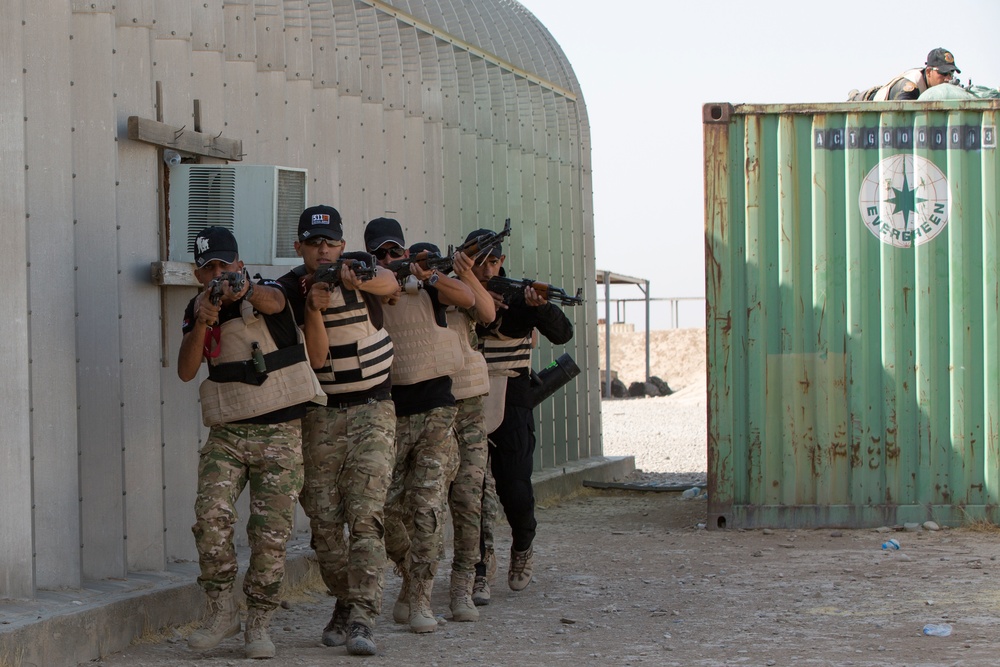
x=401 y=610
x=521 y=563
x=463 y=609
x=221 y=621
x=258 y=642
x=421 y=617
x=481 y=591
x=481 y=585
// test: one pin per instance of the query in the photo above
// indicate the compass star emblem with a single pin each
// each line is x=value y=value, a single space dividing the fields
x=904 y=200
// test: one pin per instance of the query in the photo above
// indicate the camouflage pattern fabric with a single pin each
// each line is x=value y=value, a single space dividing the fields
x=349 y=454
x=414 y=506
x=465 y=495
x=268 y=457
x=490 y=512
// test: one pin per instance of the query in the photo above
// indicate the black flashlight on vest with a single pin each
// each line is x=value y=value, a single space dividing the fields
x=545 y=382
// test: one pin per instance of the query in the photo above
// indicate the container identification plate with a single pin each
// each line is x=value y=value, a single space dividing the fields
x=954 y=137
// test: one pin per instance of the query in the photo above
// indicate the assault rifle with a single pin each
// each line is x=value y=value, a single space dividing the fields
x=481 y=245
x=364 y=269
x=428 y=261
x=236 y=280
x=510 y=286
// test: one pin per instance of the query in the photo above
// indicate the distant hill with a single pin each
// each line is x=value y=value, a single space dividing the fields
x=676 y=356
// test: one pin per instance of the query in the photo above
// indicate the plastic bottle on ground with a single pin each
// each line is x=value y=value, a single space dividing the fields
x=892 y=544
x=937 y=630
x=691 y=493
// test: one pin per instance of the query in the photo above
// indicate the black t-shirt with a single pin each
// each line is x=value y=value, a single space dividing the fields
x=282 y=328
x=412 y=399
x=296 y=285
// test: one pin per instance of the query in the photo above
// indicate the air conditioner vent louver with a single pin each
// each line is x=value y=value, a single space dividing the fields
x=259 y=203
x=211 y=201
x=291 y=195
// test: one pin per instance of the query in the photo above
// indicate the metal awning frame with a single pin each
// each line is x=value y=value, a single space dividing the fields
x=607 y=278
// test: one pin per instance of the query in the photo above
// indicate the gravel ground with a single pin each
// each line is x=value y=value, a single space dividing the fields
x=666 y=434
x=633 y=578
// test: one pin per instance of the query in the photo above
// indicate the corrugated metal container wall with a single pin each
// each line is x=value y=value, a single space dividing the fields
x=853 y=314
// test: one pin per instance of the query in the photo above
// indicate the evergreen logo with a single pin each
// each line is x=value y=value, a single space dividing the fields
x=904 y=200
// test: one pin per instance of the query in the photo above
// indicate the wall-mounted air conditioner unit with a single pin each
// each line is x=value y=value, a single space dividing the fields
x=259 y=203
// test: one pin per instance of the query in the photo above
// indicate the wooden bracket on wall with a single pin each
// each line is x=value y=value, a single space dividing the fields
x=184 y=140
x=173 y=273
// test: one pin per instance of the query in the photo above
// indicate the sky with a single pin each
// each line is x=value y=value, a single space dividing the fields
x=647 y=67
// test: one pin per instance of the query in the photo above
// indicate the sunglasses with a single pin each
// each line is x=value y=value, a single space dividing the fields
x=319 y=240
x=947 y=75
x=394 y=252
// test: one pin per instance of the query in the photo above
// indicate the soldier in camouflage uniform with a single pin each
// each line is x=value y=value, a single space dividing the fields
x=427 y=352
x=254 y=438
x=349 y=444
x=465 y=493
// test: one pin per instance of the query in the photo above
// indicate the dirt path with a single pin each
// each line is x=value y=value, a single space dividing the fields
x=626 y=578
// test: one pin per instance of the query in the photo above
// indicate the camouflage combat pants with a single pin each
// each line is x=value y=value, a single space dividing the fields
x=488 y=519
x=268 y=457
x=465 y=495
x=414 y=506
x=349 y=454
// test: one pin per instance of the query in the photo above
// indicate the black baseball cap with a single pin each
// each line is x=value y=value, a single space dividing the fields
x=323 y=221
x=215 y=243
x=380 y=231
x=496 y=251
x=942 y=60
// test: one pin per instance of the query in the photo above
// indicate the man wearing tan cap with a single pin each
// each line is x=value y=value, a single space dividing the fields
x=939 y=68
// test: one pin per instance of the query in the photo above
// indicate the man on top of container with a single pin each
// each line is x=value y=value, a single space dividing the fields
x=939 y=68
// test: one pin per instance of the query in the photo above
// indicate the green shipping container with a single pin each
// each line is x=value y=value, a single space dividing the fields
x=853 y=313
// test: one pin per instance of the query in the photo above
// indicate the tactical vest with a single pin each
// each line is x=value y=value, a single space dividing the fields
x=360 y=355
x=495 y=403
x=424 y=349
x=504 y=355
x=237 y=390
x=915 y=76
x=474 y=378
